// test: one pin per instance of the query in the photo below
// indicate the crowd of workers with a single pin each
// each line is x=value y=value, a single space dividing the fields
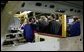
x=51 y=24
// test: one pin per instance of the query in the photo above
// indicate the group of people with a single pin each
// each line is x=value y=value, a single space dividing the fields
x=74 y=28
x=43 y=24
x=51 y=24
x=48 y=25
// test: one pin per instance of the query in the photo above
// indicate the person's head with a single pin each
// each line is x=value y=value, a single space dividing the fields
x=49 y=17
x=27 y=21
x=43 y=17
x=53 y=17
x=30 y=19
x=22 y=19
x=57 y=17
x=33 y=19
x=75 y=18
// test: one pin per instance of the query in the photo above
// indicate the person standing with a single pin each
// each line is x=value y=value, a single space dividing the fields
x=28 y=31
x=54 y=26
x=75 y=26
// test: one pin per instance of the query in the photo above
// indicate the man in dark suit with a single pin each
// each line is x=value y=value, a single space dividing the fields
x=54 y=26
x=43 y=24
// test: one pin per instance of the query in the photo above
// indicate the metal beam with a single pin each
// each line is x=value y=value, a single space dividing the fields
x=68 y=4
x=10 y=9
x=64 y=25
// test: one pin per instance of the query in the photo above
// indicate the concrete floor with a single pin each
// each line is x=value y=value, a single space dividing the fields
x=66 y=44
x=71 y=44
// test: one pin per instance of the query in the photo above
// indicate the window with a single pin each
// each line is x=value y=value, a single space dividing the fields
x=38 y=4
x=23 y=4
x=45 y=5
x=52 y=6
x=78 y=11
x=71 y=9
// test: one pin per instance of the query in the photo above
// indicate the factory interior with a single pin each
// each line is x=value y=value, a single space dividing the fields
x=41 y=25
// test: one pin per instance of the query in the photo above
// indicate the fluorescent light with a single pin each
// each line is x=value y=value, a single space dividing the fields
x=27 y=11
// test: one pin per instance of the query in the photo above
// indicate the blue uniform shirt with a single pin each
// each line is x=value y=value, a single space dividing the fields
x=28 y=33
x=75 y=29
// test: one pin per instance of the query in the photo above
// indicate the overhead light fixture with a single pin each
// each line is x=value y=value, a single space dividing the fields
x=60 y=10
x=27 y=11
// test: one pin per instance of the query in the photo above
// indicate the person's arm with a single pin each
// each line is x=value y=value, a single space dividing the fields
x=22 y=27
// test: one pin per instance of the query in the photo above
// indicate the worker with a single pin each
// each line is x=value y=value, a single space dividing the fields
x=74 y=29
x=43 y=24
x=33 y=24
x=28 y=32
x=54 y=26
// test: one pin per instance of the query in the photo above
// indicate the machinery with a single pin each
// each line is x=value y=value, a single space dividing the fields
x=15 y=36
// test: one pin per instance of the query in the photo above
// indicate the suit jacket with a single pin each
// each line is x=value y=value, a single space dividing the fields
x=54 y=27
